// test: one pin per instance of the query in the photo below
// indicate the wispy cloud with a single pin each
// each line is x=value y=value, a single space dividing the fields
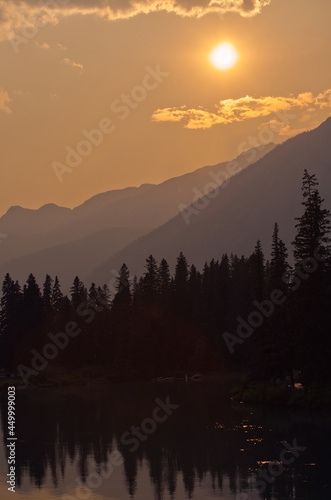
x=4 y=101
x=282 y=128
x=14 y=14
x=244 y=108
x=73 y=64
x=43 y=45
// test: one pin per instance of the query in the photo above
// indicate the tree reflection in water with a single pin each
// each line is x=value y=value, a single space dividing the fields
x=206 y=436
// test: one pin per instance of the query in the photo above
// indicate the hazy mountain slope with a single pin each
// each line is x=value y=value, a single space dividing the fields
x=27 y=222
x=22 y=221
x=31 y=231
x=71 y=259
x=156 y=205
x=265 y=192
x=102 y=200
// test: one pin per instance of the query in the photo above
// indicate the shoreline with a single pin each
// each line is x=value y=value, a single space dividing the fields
x=263 y=394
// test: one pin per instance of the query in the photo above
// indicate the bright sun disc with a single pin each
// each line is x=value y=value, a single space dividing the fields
x=224 y=56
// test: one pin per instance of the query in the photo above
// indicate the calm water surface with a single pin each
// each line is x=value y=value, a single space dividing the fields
x=76 y=444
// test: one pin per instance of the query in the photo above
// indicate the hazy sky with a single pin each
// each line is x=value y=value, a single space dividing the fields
x=67 y=67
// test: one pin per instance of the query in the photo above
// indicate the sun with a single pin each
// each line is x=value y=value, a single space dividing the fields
x=223 y=56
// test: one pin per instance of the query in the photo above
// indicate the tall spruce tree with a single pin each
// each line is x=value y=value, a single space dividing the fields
x=258 y=272
x=57 y=296
x=181 y=284
x=78 y=292
x=310 y=301
x=278 y=266
x=164 y=281
x=122 y=298
x=151 y=279
x=47 y=295
x=313 y=227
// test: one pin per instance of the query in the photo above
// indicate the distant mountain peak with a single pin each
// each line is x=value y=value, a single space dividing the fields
x=14 y=209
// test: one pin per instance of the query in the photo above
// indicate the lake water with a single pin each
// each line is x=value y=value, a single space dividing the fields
x=77 y=443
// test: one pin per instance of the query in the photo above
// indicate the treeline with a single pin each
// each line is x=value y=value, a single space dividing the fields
x=244 y=313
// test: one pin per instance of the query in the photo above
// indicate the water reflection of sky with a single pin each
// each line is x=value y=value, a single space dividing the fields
x=66 y=488
x=207 y=449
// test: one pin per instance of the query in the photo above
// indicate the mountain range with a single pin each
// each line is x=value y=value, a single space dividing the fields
x=69 y=242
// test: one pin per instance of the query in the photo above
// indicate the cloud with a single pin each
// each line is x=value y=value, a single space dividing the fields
x=43 y=45
x=244 y=108
x=24 y=19
x=4 y=101
x=16 y=14
x=73 y=64
x=282 y=128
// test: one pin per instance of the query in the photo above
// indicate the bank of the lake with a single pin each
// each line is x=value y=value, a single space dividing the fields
x=282 y=394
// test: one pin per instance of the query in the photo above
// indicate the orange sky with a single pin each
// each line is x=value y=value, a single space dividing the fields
x=89 y=63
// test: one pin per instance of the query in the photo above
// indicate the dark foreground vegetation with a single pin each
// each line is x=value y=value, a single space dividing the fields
x=265 y=318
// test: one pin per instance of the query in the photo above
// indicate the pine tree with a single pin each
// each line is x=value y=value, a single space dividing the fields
x=313 y=226
x=274 y=360
x=278 y=263
x=32 y=299
x=258 y=272
x=123 y=295
x=310 y=301
x=33 y=317
x=224 y=292
x=164 y=281
x=151 y=279
x=47 y=295
x=93 y=294
x=194 y=299
x=181 y=284
x=105 y=297
x=57 y=296
x=78 y=293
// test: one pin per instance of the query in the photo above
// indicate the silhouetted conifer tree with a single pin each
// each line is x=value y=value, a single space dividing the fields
x=164 y=282
x=181 y=284
x=78 y=292
x=310 y=298
x=258 y=272
x=57 y=295
x=151 y=279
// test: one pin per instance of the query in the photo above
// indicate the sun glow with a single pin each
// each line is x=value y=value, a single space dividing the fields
x=223 y=56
